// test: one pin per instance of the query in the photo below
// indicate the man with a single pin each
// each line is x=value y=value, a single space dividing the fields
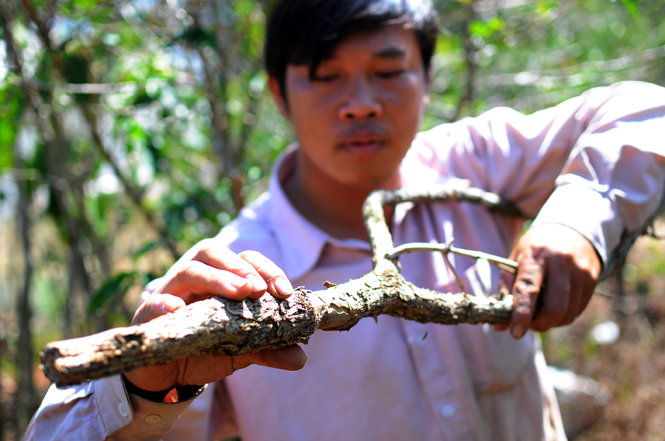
x=352 y=78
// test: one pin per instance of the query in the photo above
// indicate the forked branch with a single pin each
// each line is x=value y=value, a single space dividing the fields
x=221 y=326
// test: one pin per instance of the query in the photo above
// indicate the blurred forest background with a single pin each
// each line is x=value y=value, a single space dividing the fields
x=131 y=129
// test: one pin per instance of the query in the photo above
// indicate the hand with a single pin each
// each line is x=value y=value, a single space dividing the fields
x=205 y=271
x=557 y=272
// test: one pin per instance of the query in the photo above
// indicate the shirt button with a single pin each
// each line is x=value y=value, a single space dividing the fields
x=447 y=410
x=152 y=419
x=123 y=409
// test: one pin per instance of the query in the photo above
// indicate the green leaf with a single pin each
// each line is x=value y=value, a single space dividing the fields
x=11 y=109
x=76 y=69
x=7 y=135
x=112 y=289
x=487 y=28
x=631 y=7
x=197 y=36
x=147 y=247
x=142 y=98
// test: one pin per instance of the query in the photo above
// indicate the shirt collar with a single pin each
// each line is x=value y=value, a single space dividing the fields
x=301 y=242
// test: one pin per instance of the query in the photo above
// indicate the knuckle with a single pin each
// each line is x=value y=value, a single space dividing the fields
x=527 y=287
x=185 y=272
x=252 y=256
x=203 y=254
x=248 y=253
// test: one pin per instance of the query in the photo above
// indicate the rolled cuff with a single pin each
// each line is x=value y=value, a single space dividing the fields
x=586 y=211
x=110 y=398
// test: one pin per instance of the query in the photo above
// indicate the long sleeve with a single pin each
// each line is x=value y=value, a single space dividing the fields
x=614 y=181
x=75 y=412
x=102 y=410
x=595 y=163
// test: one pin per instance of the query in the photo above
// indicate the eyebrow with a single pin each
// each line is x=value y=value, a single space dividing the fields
x=390 y=52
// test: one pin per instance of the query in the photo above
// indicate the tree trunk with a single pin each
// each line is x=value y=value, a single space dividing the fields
x=26 y=397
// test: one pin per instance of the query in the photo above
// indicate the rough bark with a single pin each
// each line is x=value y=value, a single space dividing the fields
x=227 y=327
x=221 y=326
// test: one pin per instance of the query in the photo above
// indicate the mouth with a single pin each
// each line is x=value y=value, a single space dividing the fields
x=362 y=141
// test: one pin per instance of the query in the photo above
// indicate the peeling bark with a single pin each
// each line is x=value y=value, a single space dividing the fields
x=226 y=327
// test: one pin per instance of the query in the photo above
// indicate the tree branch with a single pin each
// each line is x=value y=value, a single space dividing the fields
x=222 y=326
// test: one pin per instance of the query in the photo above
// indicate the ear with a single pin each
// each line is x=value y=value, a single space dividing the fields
x=280 y=101
x=428 y=83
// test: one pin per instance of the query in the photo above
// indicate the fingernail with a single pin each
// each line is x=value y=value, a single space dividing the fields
x=282 y=286
x=171 y=303
x=258 y=284
x=517 y=331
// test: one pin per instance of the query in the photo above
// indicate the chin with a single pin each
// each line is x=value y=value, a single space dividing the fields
x=370 y=183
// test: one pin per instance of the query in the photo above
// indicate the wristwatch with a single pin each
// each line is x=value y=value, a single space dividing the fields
x=184 y=393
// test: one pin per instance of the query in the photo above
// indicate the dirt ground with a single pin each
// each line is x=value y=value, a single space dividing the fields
x=631 y=370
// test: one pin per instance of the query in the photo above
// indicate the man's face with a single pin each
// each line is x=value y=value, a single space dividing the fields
x=356 y=118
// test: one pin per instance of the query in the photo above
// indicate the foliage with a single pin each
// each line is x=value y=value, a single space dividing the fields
x=135 y=128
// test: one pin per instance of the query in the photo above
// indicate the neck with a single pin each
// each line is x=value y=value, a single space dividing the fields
x=333 y=207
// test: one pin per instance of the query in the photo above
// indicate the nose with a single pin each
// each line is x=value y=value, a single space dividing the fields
x=359 y=101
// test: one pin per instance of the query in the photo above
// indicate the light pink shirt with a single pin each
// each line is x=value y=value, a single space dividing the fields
x=398 y=380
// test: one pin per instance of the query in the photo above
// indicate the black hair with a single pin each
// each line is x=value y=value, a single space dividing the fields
x=305 y=32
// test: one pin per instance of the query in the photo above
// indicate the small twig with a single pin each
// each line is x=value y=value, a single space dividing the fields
x=458 y=280
x=502 y=263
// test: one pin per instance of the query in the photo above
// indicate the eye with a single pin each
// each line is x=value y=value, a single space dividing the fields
x=324 y=78
x=387 y=74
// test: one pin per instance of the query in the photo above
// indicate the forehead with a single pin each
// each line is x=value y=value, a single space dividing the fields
x=385 y=42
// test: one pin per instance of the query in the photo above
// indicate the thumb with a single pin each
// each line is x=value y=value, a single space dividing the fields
x=506 y=282
x=157 y=305
x=290 y=358
x=526 y=289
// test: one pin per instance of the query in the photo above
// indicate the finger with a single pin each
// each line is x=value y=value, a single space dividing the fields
x=157 y=305
x=555 y=295
x=506 y=281
x=290 y=358
x=576 y=303
x=195 y=280
x=528 y=282
x=581 y=291
x=222 y=258
x=278 y=284
x=209 y=368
